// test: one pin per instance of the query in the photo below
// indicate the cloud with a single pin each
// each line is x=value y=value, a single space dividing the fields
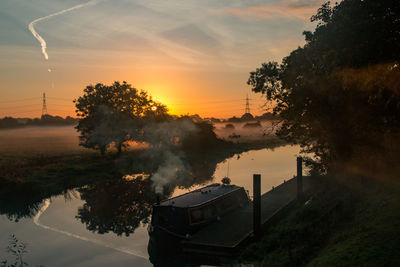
x=190 y=35
x=42 y=42
x=299 y=9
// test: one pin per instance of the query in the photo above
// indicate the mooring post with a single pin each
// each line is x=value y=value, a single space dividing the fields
x=257 y=204
x=299 y=177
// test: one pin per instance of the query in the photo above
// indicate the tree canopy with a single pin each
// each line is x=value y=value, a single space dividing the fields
x=339 y=94
x=114 y=114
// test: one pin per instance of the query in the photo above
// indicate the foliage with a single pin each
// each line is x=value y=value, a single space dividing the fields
x=338 y=95
x=114 y=114
x=202 y=140
x=338 y=225
x=118 y=205
x=16 y=248
x=26 y=181
x=45 y=120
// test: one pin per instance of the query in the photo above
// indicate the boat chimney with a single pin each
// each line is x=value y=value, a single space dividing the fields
x=257 y=205
x=158 y=200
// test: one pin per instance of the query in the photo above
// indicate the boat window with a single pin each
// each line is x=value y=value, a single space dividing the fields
x=196 y=215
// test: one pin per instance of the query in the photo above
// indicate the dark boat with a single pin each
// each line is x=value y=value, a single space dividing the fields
x=183 y=215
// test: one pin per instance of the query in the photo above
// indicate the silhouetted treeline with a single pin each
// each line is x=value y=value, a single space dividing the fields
x=338 y=95
x=45 y=120
x=248 y=117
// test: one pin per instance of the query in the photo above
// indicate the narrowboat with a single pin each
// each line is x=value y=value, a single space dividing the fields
x=183 y=215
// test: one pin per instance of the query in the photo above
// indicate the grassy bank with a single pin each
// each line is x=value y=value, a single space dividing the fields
x=26 y=180
x=337 y=225
x=50 y=171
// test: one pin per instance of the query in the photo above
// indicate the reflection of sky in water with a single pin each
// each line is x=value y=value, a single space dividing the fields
x=60 y=245
x=67 y=242
x=274 y=166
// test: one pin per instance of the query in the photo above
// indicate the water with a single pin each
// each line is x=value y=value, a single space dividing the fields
x=274 y=165
x=98 y=225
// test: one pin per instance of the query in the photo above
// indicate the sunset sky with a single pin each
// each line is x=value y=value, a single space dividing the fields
x=193 y=55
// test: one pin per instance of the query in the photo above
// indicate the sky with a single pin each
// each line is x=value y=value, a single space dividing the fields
x=192 y=55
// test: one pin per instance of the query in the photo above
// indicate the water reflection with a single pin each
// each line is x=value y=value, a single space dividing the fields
x=118 y=206
x=23 y=199
x=19 y=201
x=122 y=205
x=110 y=202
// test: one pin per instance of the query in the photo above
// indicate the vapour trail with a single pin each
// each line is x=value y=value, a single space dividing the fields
x=97 y=242
x=42 y=42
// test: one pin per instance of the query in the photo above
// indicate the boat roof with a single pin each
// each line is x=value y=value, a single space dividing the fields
x=200 y=196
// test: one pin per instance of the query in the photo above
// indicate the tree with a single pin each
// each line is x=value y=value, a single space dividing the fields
x=114 y=114
x=338 y=95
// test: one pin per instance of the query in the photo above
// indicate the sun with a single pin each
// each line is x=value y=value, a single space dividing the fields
x=153 y=108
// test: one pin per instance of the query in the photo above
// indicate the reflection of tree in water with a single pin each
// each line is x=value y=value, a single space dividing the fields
x=19 y=200
x=121 y=205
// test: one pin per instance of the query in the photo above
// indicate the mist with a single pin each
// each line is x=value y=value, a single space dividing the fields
x=39 y=140
x=267 y=128
x=46 y=140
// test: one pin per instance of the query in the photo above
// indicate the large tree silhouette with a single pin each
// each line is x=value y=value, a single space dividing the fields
x=339 y=94
x=114 y=114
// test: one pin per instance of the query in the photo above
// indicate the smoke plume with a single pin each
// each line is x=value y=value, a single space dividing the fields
x=164 y=137
x=42 y=42
x=167 y=172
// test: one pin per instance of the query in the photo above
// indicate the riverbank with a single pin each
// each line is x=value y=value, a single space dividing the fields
x=27 y=179
x=105 y=212
x=338 y=224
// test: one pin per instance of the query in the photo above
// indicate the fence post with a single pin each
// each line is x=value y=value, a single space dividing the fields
x=257 y=204
x=299 y=177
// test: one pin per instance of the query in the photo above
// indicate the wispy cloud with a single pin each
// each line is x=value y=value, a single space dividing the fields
x=300 y=9
x=42 y=42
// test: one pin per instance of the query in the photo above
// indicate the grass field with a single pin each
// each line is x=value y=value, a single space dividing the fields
x=337 y=225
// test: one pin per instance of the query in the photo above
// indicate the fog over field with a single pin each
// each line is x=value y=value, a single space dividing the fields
x=266 y=129
x=65 y=139
x=44 y=140
x=40 y=140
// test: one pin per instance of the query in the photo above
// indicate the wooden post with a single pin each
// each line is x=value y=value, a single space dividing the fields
x=299 y=177
x=257 y=204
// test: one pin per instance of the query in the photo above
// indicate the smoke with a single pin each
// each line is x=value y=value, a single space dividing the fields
x=167 y=173
x=168 y=133
x=163 y=158
x=42 y=42
x=165 y=138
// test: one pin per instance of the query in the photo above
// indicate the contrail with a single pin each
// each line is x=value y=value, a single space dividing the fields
x=40 y=38
x=97 y=242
